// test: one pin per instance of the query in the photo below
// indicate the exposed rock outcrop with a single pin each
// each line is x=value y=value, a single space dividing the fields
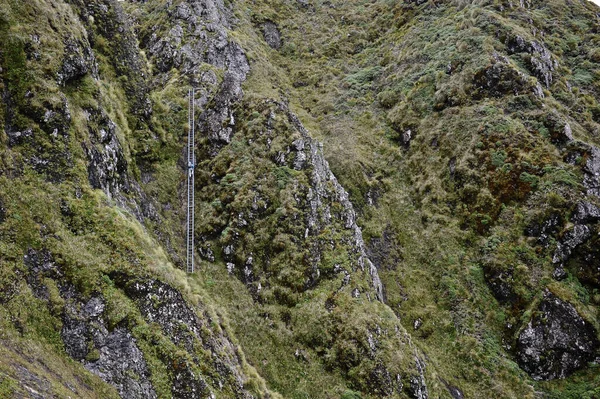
x=326 y=187
x=574 y=237
x=112 y=355
x=107 y=18
x=44 y=134
x=418 y=386
x=161 y=304
x=591 y=177
x=272 y=35
x=557 y=341
x=501 y=77
x=78 y=61
x=545 y=229
x=204 y=25
x=107 y=167
x=586 y=212
x=540 y=61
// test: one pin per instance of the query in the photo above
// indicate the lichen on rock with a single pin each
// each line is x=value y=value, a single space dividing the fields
x=557 y=341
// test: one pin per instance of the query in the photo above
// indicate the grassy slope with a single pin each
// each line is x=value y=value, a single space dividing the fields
x=87 y=235
x=359 y=73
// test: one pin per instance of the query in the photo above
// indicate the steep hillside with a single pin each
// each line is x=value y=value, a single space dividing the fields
x=394 y=199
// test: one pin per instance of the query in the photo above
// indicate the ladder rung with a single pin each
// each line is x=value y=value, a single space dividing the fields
x=191 y=158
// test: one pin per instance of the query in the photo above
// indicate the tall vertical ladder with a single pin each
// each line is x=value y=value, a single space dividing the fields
x=191 y=164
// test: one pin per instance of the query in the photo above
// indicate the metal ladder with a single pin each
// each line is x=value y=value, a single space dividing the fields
x=191 y=164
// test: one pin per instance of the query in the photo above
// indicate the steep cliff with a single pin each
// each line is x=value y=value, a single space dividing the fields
x=394 y=199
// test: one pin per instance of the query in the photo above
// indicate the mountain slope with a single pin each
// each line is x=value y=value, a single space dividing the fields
x=440 y=242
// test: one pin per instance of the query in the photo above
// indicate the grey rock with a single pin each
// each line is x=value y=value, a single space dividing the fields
x=538 y=90
x=116 y=358
x=108 y=169
x=107 y=166
x=501 y=284
x=116 y=26
x=207 y=253
x=417 y=324
x=17 y=137
x=546 y=229
x=567 y=132
x=380 y=381
x=541 y=63
x=406 y=137
x=53 y=135
x=325 y=188
x=272 y=35
x=40 y=264
x=56 y=121
x=121 y=364
x=37 y=387
x=558 y=127
x=78 y=61
x=559 y=273
x=591 y=170
x=500 y=78
x=455 y=392
x=573 y=238
x=301 y=355
x=230 y=267
x=586 y=212
x=204 y=23
x=418 y=386
x=556 y=342
x=160 y=303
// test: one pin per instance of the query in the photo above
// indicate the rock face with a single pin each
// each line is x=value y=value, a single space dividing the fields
x=325 y=187
x=501 y=78
x=107 y=18
x=112 y=355
x=574 y=237
x=540 y=62
x=321 y=204
x=78 y=61
x=556 y=342
x=107 y=168
x=204 y=24
x=586 y=212
x=161 y=304
x=545 y=229
x=501 y=285
x=418 y=387
x=591 y=178
x=272 y=35
x=48 y=128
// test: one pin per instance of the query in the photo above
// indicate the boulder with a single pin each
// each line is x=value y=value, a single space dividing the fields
x=556 y=342
x=539 y=60
x=272 y=35
x=586 y=212
x=499 y=78
x=576 y=236
x=78 y=61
